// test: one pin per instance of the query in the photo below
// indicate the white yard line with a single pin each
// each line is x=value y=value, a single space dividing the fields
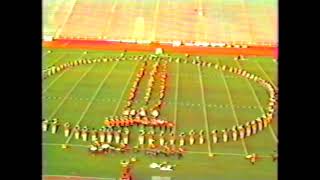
x=63 y=55
x=232 y=107
x=124 y=90
x=91 y=100
x=69 y=92
x=57 y=77
x=82 y=177
x=205 y=110
x=266 y=75
x=261 y=109
x=53 y=81
x=176 y=100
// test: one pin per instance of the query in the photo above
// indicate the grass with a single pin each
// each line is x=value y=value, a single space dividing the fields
x=86 y=94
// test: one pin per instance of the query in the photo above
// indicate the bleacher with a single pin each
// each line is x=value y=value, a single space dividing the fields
x=166 y=20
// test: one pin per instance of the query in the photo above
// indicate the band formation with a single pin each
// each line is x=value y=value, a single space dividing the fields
x=114 y=135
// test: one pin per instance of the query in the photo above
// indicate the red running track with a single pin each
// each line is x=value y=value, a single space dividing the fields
x=192 y=50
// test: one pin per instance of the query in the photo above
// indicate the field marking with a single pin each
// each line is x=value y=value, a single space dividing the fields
x=69 y=92
x=63 y=55
x=124 y=89
x=266 y=75
x=176 y=100
x=189 y=152
x=92 y=99
x=204 y=108
x=82 y=177
x=53 y=81
x=233 y=111
x=58 y=77
x=212 y=106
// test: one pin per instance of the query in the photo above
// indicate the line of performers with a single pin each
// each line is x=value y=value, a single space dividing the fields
x=234 y=134
x=139 y=120
x=55 y=69
x=133 y=91
x=102 y=135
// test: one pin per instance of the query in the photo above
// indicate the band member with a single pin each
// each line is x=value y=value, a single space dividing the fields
x=54 y=126
x=161 y=138
x=252 y=158
x=93 y=134
x=248 y=129
x=45 y=124
x=84 y=133
x=223 y=67
x=172 y=138
x=191 y=137
x=242 y=132
x=109 y=135
x=126 y=112
x=77 y=132
x=214 y=134
x=133 y=112
x=155 y=113
x=254 y=126
x=102 y=135
x=126 y=136
x=225 y=135
x=274 y=156
x=234 y=133
x=181 y=140
x=231 y=69
x=216 y=66
x=260 y=124
x=141 y=137
x=201 y=137
x=265 y=121
x=66 y=129
x=117 y=136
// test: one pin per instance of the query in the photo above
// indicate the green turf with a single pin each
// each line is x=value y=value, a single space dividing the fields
x=74 y=96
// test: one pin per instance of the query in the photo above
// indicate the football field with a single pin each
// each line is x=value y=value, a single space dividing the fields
x=198 y=98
